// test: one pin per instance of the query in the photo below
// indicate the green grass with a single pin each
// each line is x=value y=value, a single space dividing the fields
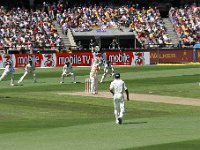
x=35 y=117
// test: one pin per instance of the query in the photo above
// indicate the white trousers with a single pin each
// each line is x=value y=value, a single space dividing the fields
x=94 y=84
x=25 y=74
x=106 y=72
x=118 y=101
x=5 y=73
x=67 y=74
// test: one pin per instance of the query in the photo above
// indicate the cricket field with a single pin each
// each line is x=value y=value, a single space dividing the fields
x=35 y=116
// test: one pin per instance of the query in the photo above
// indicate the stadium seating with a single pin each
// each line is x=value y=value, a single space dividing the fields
x=186 y=22
x=21 y=29
x=146 y=24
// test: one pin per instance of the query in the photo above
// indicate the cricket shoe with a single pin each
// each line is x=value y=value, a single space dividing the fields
x=74 y=82
x=20 y=83
x=117 y=121
x=12 y=84
x=61 y=82
x=120 y=120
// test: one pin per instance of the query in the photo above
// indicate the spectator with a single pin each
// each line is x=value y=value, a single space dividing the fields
x=186 y=22
x=79 y=46
x=114 y=45
x=197 y=45
x=92 y=45
x=21 y=29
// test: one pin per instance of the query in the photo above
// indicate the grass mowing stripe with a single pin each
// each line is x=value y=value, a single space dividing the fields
x=40 y=114
x=107 y=136
x=183 y=145
x=56 y=105
x=162 y=73
x=39 y=125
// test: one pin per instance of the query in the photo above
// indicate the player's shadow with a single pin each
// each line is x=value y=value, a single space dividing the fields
x=134 y=122
x=77 y=82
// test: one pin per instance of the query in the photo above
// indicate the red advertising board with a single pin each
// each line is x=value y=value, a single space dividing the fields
x=22 y=59
x=77 y=59
x=171 y=56
x=198 y=55
x=120 y=58
x=139 y=57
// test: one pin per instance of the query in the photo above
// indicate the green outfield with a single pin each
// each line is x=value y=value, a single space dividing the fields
x=33 y=116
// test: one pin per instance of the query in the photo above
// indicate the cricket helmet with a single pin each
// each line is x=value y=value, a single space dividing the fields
x=117 y=75
x=67 y=63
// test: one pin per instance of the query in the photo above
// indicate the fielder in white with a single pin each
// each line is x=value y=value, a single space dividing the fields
x=94 y=75
x=108 y=69
x=67 y=71
x=117 y=88
x=9 y=69
x=29 y=68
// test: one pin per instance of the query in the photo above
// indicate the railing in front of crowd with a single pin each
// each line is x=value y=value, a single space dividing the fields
x=62 y=49
x=38 y=49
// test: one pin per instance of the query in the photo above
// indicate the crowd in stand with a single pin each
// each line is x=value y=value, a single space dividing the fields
x=186 y=22
x=147 y=24
x=22 y=29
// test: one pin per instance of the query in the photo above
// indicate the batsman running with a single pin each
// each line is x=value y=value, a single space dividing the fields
x=108 y=69
x=29 y=68
x=117 y=88
x=67 y=71
x=9 y=69
x=94 y=75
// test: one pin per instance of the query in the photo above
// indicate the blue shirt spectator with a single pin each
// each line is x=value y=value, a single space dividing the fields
x=197 y=45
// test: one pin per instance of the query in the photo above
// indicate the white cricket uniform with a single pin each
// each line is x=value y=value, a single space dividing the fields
x=118 y=87
x=94 y=77
x=8 y=70
x=67 y=71
x=108 y=69
x=28 y=69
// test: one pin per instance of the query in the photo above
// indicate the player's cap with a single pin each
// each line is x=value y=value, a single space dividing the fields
x=117 y=75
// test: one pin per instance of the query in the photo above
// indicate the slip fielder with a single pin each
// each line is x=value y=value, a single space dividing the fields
x=29 y=68
x=9 y=69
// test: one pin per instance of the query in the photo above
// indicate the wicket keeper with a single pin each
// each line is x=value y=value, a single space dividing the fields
x=108 y=69
x=67 y=71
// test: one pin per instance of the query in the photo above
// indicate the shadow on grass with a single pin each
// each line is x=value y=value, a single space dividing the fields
x=133 y=122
